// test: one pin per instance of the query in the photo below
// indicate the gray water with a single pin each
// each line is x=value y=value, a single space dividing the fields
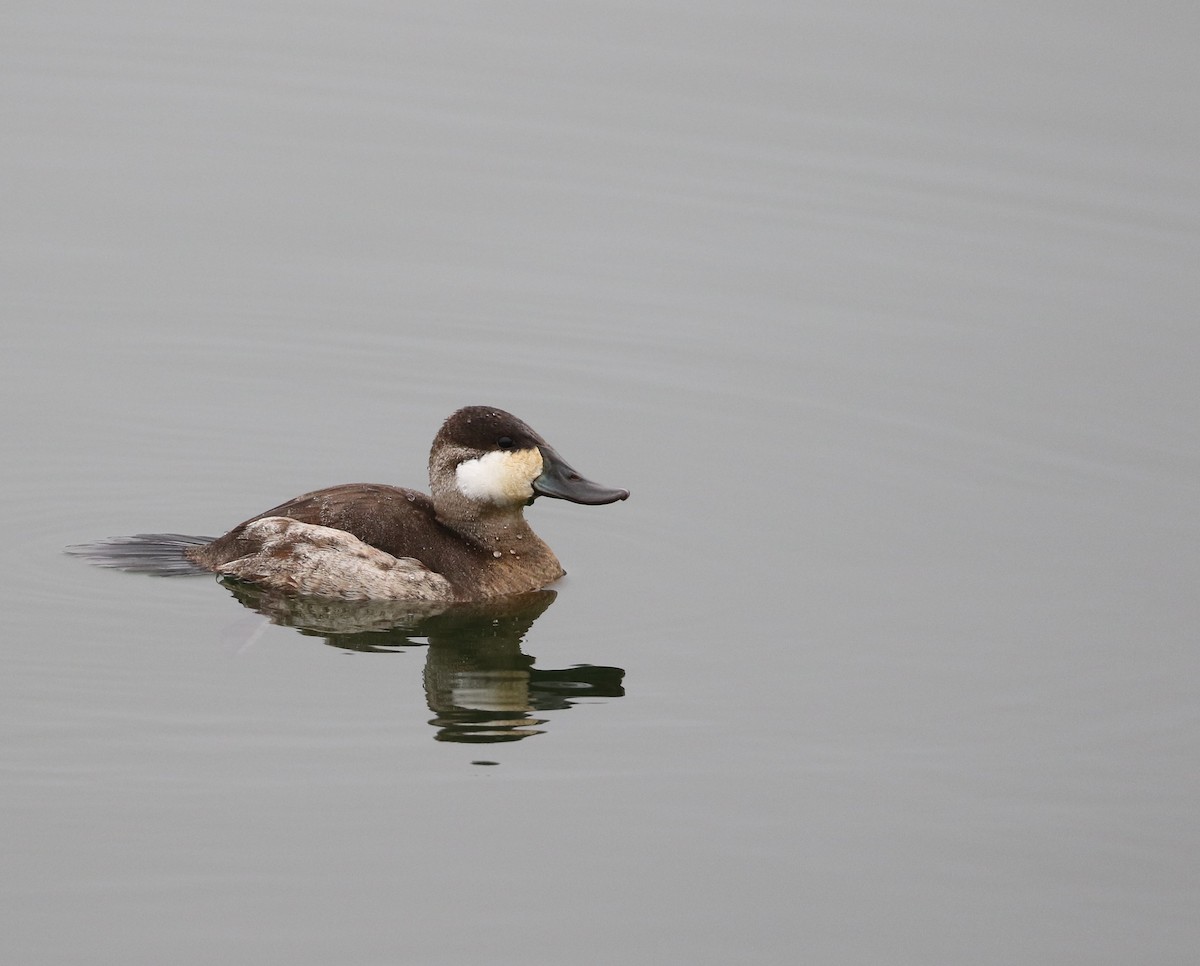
x=885 y=314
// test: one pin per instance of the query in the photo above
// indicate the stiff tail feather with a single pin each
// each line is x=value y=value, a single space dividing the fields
x=160 y=554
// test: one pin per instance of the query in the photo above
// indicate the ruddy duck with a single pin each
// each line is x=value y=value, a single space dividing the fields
x=468 y=541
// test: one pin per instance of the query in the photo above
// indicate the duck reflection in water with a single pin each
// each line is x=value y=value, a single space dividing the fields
x=479 y=684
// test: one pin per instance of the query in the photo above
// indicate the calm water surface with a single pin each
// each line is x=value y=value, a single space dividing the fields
x=885 y=314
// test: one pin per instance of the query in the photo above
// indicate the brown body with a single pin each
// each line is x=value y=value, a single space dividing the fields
x=485 y=555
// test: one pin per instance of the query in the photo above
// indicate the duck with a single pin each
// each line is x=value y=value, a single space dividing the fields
x=467 y=540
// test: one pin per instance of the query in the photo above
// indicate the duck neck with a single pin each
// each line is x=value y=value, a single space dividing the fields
x=498 y=530
x=514 y=558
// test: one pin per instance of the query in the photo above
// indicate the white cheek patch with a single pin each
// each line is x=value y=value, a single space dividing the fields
x=501 y=477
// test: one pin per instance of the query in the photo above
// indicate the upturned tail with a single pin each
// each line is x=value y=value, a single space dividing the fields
x=160 y=554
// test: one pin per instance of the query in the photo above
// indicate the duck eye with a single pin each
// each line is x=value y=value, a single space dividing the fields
x=505 y=442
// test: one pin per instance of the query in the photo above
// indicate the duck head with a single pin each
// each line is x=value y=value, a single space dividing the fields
x=488 y=459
